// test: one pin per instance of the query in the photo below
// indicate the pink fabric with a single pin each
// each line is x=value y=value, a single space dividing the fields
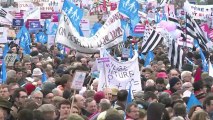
x=161 y=75
x=198 y=74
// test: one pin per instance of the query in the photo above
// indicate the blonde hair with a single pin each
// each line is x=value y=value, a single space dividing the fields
x=200 y=115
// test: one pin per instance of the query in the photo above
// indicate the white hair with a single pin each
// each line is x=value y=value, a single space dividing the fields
x=184 y=73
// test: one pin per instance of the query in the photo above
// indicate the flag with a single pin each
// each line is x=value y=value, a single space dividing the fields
x=129 y=8
x=204 y=62
x=129 y=97
x=151 y=42
x=175 y=55
x=193 y=101
x=210 y=69
x=47 y=26
x=41 y=37
x=150 y=56
x=130 y=51
x=6 y=49
x=193 y=30
x=3 y=72
x=54 y=29
x=24 y=39
x=164 y=2
x=5 y=14
x=95 y=28
x=74 y=13
x=44 y=77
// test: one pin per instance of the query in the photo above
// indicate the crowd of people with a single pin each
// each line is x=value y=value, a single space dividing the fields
x=38 y=87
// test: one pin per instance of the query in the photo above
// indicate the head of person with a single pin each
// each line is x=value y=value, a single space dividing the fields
x=150 y=97
x=19 y=73
x=95 y=84
x=84 y=61
x=5 y=107
x=160 y=84
x=147 y=72
x=48 y=111
x=186 y=76
x=114 y=94
x=162 y=75
x=122 y=95
x=37 y=73
x=208 y=103
x=13 y=87
x=108 y=93
x=20 y=96
x=173 y=73
x=64 y=108
x=4 y=92
x=132 y=111
x=193 y=109
x=157 y=111
x=104 y=105
x=74 y=117
x=37 y=96
x=180 y=110
x=200 y=115
x=90 y=105
x=27 y=64
x=79 y=101
x=187 y=86
x=112 y=114
x=175 y=84
x=75 y=110
x=48 y=96
x=25 y=114
x=14 y=49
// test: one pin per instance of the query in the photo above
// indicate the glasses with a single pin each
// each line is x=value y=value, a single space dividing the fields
x=38 y=98
x=3 y=91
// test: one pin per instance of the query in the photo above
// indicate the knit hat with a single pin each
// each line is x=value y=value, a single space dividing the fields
x=5 y=104
x=161 y=75
x=173 y=81
x=98 y=96
x=29 y=88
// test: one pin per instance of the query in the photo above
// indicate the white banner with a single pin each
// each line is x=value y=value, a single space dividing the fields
x=199 y=11
x=108 y=35
x=3 y=34
x=50 y=5
x=120 y=75
x=32 y=14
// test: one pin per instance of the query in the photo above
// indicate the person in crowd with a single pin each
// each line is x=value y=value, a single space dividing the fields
x=37 y=96
x=19 y=97
x=132 y=112
x=90 y=106
x=48 y=111
x=121 y=100
x=64 y=109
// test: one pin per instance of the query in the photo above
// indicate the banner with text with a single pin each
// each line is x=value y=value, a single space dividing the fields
x=199 y=11
x=110 y=34
x=120 y=75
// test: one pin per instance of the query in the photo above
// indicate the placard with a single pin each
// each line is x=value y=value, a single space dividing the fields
x=10 y=59
x=18 y=22
x=120 y=75
x=139 y=28
x=85 y=25
x=3 y=34
x=34 y=25
x=78 y=80
x=125 y=52
x=50 y=41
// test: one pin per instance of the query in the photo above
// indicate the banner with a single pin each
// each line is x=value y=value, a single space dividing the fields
x=32 y=14
x=120 y=75
x=18 y=22
x=49 y=5
x=3 y=34
x=25 y=6
x=108 y=35
x=199 y=11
